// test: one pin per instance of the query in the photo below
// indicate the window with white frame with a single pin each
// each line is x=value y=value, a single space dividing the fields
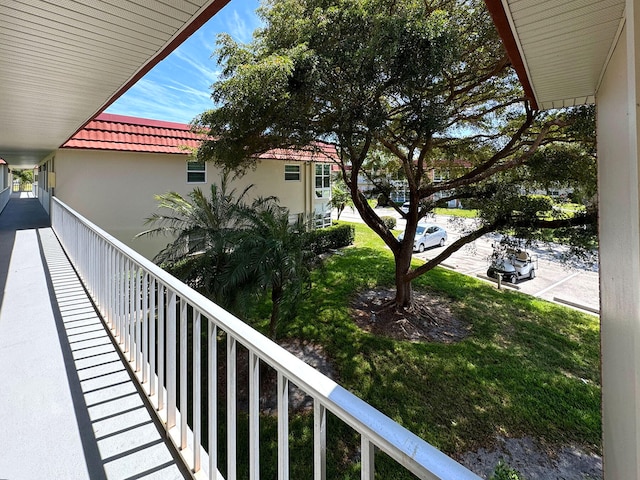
x=196 y=172
x=323 y=180
x=440 y=176
x=292 y=173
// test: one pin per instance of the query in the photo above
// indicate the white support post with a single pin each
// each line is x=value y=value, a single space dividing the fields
x=145 y=328
x=197 y=379
x=162 y=299
x=212 y=396
x=153 y=291
x=231 y=408
x=283 y=427
x=138 y=320
x=132 y=312
x=171 y=360
x=126 y=308
x=319 y=441
x=254 y=416
x=367 y=459
x=183 y=374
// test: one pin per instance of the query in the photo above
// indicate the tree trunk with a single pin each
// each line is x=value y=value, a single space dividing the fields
x=276 y=298
x=404 y=294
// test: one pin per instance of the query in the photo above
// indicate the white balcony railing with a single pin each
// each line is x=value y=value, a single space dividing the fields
x=150 y=313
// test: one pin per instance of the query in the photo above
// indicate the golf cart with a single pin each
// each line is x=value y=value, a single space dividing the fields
x=512 y=264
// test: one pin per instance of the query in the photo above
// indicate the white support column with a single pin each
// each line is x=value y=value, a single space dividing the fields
x=319 y=441
x=183 y=373
x=283 y=427
x=197 y=399
x=619 y=203
x=232 y=426
x=212 y=397
x=171 y=355
x=254 y=416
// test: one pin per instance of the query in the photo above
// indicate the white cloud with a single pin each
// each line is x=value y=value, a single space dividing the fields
x=179 y=88
x=149 y=99
x=238 y=28
x=208 y=75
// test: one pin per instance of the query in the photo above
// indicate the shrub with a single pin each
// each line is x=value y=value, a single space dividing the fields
x=390 y=222
x=504 y=472
x=325 y=239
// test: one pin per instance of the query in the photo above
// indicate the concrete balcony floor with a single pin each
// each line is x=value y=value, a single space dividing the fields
x=68 y=406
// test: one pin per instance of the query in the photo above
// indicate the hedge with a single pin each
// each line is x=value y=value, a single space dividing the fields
x=324 y=239
x=390 y=222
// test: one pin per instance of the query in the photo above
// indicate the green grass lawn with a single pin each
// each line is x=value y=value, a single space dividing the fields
x=529 y=367
x=456 y=212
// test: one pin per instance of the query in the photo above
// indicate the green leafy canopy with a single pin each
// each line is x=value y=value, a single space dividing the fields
x=427 y=85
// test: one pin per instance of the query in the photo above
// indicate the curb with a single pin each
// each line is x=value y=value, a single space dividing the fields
x=576 y=305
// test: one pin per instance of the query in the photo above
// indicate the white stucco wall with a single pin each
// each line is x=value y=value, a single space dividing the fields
x=116 y=190
x=620 y=259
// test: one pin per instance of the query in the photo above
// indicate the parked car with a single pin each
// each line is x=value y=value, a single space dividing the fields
x=405 y=207
x=427 y=236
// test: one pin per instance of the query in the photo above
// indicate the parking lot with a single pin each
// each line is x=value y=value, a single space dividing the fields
x=576 y=286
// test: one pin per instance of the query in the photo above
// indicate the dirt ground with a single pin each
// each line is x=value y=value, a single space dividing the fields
x=432 y=321
x=535 y=462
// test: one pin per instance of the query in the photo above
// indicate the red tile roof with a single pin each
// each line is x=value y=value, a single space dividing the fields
x=318 y=153
x=132 y=134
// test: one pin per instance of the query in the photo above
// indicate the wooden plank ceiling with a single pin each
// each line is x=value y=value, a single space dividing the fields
x=64 y=61
x=564 y=45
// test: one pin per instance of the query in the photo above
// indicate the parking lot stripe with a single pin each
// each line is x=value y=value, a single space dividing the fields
x=555 y=284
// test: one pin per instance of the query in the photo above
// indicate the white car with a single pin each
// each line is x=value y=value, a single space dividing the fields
x=427 y=236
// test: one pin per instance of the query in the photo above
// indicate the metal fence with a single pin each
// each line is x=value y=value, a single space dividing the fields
x=20 y=186
x=178 y=342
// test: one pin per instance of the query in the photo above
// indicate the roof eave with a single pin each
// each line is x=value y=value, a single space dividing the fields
x=503 y=26
x=205 y=15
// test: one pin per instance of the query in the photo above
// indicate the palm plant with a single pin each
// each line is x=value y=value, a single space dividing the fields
x=274 y=256
x=230 y=250
x=205 y=231
x=340 y=197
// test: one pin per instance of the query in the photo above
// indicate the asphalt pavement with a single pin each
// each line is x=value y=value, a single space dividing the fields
x=575 y=285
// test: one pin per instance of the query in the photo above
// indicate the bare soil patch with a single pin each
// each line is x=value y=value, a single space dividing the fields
x=311 y=353
x=535 y=461
x=430 y=320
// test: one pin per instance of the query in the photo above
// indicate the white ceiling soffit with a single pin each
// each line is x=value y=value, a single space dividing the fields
x=565 y=45
x=63 y=61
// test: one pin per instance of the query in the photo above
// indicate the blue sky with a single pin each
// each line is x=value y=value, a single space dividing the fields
x=178 y=88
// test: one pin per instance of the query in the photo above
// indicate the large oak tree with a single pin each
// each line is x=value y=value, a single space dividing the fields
x=425 y=82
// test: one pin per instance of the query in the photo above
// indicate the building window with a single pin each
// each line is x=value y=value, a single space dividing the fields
x=440 y=176
x=292 y=173
x=196 y=172
x=323 y=180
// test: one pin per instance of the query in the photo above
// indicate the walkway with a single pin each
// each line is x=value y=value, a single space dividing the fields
x=68 y=407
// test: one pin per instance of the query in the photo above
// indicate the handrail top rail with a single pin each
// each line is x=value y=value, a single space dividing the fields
x=404 y=446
